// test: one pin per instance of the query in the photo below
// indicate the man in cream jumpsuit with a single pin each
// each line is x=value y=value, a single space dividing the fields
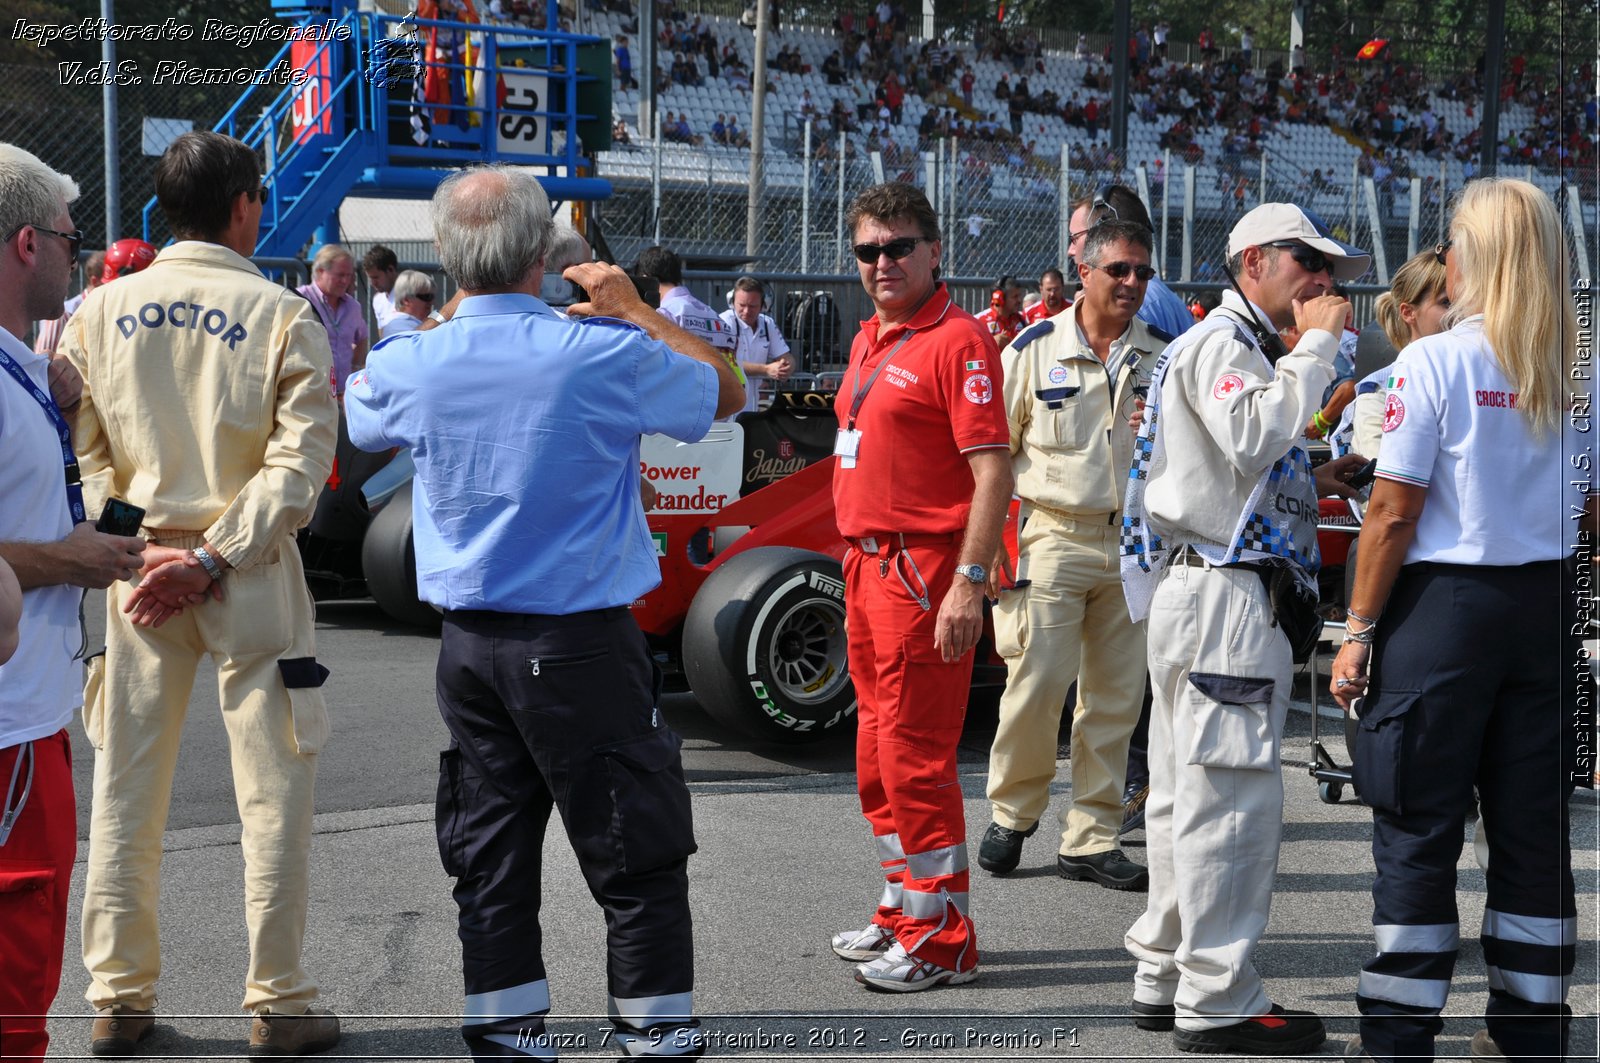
x=1071 y=384
x=1216 y=493
x=207 y=402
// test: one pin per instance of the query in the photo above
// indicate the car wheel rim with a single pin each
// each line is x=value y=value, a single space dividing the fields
x=806 y=656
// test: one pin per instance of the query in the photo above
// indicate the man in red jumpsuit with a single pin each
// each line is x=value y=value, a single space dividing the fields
x=921 y=488
x=1003 y=318
x=1052 y=297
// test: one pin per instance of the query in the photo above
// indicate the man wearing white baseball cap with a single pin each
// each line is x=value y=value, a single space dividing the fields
x=1221 y=504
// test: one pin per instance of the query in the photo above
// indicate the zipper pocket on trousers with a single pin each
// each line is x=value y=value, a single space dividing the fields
x=558 y=660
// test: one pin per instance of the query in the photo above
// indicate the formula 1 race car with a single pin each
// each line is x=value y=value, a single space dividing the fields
x=750 y=611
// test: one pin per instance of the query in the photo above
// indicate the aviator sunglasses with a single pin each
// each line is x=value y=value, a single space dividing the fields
x=895 y=249
x=1309 y=258
x=1120 y=270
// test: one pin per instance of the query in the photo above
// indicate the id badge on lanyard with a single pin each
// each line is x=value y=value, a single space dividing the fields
x=847 y=441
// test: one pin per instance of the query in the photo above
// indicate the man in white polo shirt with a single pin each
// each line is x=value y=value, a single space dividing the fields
x=759 y=347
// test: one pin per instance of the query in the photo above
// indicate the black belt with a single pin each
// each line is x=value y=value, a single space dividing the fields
x=1188 y=557
x=494 y=617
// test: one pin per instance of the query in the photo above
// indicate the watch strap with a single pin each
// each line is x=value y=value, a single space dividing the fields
x=208 y=563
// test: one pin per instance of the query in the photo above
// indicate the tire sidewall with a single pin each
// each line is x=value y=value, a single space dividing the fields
x=729 y=611
x=750 y=658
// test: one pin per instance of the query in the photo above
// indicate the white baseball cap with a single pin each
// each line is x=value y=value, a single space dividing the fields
x=1273 y=223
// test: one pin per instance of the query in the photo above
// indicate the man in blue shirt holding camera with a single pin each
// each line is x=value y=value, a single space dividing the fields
x=529 y=535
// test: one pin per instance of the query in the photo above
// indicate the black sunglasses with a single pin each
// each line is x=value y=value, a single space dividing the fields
x=74 y=239
x=1309 y=258
x=895 y=249
x=426 y=297
x=1120 y=270
x=1440 y=250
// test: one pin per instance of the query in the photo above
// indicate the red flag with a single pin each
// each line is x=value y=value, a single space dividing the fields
x=1371 y=49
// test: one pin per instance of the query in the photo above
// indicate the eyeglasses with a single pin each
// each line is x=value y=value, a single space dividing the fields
x=1309 y=258
x=74 y=239
x=426 y=297
x=1120 y=270
x=895 y=249
x=1440 y=250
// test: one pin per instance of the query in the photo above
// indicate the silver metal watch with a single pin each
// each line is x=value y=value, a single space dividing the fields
x=973 y=573
x=208 y=563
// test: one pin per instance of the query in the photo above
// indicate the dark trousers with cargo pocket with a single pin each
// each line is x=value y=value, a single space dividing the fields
x=1472 y=685
x=561 y=712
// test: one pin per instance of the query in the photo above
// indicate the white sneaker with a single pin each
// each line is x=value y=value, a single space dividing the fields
x=897 y=971
x=866 y=944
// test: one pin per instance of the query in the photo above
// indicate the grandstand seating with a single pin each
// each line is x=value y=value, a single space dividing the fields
x=1293 y=152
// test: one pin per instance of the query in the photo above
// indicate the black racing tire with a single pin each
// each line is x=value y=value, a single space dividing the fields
x=389 y=562
x=764 y=646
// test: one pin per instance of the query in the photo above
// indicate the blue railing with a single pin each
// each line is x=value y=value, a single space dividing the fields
x=355 y=111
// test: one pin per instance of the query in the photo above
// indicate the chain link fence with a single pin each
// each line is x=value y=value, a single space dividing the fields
x=64 y=125
x=1002 y=213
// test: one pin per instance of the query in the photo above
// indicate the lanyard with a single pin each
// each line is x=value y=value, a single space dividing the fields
x=330 y=315
x=8 y=816
x=63 y=431
x=862 y=389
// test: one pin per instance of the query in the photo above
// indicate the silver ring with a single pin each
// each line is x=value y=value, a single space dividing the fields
x=1341 y=683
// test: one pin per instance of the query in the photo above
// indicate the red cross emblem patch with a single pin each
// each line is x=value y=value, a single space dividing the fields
x=1226 y=385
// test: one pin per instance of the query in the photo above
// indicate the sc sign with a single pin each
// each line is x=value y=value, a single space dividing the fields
x=522 y=124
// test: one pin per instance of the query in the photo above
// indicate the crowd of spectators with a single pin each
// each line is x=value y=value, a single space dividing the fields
x=1385 y=105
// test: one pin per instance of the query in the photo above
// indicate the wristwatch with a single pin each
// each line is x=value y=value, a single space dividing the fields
x=208 y=563
x=973 y=573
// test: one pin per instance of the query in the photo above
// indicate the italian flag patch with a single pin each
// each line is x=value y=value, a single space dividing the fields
x=973 y=367
x=1397 y=383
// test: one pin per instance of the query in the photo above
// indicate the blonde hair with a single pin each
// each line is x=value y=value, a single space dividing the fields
x=327 y=255
x=1512 y=268
x=1414 y=282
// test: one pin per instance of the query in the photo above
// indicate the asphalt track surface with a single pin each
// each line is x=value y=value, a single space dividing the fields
x=785 y=860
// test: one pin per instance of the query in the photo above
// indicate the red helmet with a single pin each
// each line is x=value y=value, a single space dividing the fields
x=125 y=257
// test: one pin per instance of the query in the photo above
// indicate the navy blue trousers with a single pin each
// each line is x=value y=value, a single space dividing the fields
x=1471 y=686
x=560 y=712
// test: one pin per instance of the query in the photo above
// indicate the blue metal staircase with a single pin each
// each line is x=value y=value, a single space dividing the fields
x=355 y=118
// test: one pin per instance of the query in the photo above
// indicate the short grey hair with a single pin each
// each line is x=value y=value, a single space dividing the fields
x=408 y=284
x=1114 y=231
x=31 y=193
x=567 y=248
x=492 y=225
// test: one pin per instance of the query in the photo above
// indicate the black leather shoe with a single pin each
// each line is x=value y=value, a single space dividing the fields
x=1277 y=1033
x=1111 y=869
x=1157 y=1017
x=1133 y=809
x=1001 y=850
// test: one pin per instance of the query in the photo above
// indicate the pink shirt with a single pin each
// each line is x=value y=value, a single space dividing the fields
x=346 y=326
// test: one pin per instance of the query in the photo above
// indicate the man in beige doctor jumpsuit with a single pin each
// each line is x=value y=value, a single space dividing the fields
x=206 y=402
